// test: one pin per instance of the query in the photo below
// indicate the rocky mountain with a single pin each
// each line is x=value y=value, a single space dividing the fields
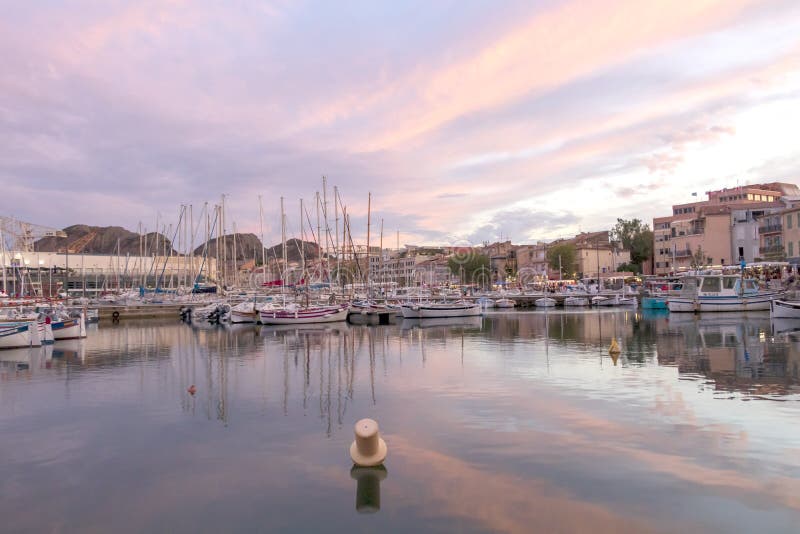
x=248 y=246
x=311 y=250
x=86 y=239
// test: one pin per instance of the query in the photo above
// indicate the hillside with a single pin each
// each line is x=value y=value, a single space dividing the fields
x=86 y=239
x=248 y=247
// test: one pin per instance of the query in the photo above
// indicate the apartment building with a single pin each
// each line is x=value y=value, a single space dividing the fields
x=733 y=224
x=596 y=254
x=532 y=265
x=399 y=268
x=790 y=237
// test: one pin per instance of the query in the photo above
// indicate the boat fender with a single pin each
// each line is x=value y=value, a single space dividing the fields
x=115 y=316
x=614 y=347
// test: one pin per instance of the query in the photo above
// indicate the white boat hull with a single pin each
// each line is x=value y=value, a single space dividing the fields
x=784 y=309
x=244 y=316
x=434 y=311
x=74 y=328
x=14 y=336
x=546 y=302
x=719 y=304
x=304 y=316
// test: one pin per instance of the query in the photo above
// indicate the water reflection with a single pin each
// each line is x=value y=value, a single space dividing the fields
x=368 y=487
x=512 y=422
x=733 y=352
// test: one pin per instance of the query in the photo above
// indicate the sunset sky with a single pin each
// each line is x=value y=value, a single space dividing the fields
x=467 y=120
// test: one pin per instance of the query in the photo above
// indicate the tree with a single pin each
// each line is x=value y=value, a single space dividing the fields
x=568 y=256
x=636 y=237
x=625 y=267
x=469 y=266
x=698 y=258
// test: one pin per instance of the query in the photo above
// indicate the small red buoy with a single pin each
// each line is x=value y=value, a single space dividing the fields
x=192 y=389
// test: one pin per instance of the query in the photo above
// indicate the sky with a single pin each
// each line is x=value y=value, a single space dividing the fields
x=468 y=121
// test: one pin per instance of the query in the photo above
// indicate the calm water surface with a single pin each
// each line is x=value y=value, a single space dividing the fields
x=515 y=422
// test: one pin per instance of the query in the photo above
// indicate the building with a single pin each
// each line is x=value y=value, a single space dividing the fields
x=434 y=272
x=502 y=261
x=44 y=273
x=596 y=254
x=790 y=236
x=395 y=269
x=532 y=265
x=734 y=224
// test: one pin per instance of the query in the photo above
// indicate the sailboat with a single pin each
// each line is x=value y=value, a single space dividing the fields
x=293 y=313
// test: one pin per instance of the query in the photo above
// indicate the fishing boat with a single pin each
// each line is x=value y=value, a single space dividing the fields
x=293 y=314
x=657 y=292
x=718 y=292
x=69 y=328
x=545 y=302
x=15 y=335
x=439 y=310
x=784 y=309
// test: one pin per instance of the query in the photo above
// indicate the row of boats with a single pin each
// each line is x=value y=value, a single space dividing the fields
x=293 y=313
x=34 y=328
x=270 y=312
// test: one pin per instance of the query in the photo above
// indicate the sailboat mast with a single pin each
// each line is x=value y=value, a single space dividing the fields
x=319 y=237
x=224 y=229
x=336 y=245
x=261 y=224
x=235 y=258
x=302 y=244
x=283 y=246
x=369 y=206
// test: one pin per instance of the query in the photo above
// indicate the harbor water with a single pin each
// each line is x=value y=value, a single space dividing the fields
x=511 y=422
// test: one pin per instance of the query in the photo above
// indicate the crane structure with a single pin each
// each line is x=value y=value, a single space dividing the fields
x=20 y=236
x=79 y=244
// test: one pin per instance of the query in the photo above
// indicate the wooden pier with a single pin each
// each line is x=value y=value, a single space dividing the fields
x=115 y=313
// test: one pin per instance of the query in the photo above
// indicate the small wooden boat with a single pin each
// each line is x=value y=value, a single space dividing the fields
x=545 y=302
x=297 y=315
x=438 y=310
x=15 y=335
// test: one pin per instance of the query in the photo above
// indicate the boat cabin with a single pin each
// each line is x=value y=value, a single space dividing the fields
x=718 y=285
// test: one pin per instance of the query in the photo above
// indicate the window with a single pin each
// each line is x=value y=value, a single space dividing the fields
x=790 y=252
x=749 y=196
x=789 y=222
x=798 y=219
x=728 y=282
x=711 y=284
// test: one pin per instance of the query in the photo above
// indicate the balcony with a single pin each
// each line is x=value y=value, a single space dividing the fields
x=770 y=229
x=771 y=250
x=683 y=253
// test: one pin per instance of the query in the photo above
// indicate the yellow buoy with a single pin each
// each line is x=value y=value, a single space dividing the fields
x=613 y=348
